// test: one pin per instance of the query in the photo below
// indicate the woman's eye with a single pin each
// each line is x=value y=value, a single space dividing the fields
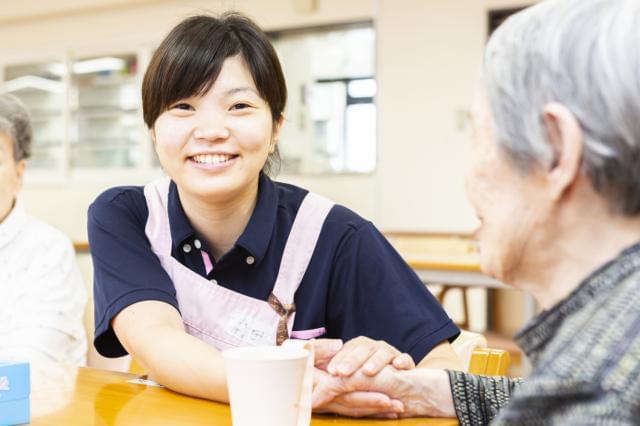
x=182 y=106
x=240 y=106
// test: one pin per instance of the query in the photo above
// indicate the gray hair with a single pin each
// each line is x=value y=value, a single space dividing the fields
x=15 y=122
x=584 y=54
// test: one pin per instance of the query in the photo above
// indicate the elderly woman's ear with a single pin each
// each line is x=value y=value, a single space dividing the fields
x=566 y=139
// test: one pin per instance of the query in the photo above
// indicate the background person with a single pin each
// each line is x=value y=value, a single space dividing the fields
x=555 y=181
x=42 y=297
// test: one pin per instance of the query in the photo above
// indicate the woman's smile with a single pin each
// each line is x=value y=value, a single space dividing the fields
x=213 y=162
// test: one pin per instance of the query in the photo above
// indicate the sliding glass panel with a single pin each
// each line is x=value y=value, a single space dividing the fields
x=330 y=124
x=106 y=123
x=40 y=86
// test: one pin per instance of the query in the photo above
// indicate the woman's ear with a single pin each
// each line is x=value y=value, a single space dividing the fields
x=275 y=136
x=566 y=139
x=152 y=132
x=277 y=127
x=20 y=166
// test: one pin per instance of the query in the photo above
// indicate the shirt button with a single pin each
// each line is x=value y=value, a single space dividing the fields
x=250 y=260
x=214 y=281
x=186 y=248
x=197 y=243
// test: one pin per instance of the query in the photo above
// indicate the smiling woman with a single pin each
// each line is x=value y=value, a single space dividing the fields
x=218 y=255
x=185 y=136
x=197 y=50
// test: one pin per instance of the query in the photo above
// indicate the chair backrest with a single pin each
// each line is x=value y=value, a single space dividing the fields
x=465 y=344
x=477 y=358
x=489 y=362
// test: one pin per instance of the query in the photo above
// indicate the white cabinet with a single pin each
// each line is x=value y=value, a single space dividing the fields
x=41 y=87
x=86 y=112
x=106 y=128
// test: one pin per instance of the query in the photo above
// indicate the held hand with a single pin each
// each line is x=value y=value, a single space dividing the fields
x=324 y=351
x=422 y=392
x=354 y=404
x=369 y=355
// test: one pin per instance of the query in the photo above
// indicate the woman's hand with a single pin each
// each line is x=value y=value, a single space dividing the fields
x=369 y=355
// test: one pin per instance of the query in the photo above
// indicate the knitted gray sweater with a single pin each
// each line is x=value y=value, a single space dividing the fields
x=585 y=353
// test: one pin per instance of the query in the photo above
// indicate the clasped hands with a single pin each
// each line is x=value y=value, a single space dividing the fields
x=369 y=378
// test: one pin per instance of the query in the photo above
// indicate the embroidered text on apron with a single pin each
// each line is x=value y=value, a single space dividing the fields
x=219 y=316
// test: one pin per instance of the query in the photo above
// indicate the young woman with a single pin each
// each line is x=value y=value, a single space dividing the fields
x=218 y=255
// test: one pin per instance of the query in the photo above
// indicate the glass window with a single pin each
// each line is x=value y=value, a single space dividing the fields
x=40 y=86
x=330 y=122
x=106 y=124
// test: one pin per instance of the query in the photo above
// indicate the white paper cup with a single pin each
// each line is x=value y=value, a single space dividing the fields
x=265 y=385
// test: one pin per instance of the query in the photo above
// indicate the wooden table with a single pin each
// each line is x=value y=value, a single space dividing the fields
x=63 y=395
x=443 y=259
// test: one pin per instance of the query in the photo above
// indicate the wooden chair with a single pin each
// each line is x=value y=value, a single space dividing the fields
x=489 y=362
x=477 y=358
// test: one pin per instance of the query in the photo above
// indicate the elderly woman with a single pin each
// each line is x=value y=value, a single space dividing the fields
x=555 y=182
x=42 y=297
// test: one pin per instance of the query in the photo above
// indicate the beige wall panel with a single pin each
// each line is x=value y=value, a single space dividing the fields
x=429 y=53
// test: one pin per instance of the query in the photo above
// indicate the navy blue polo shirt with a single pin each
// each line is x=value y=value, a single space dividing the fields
x=356 y=284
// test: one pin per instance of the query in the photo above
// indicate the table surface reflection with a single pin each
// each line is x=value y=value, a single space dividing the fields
x=64 y=395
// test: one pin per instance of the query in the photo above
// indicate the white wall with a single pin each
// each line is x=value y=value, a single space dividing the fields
x=429 y=53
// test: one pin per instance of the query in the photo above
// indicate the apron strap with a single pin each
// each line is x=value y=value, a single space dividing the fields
x=157 y=228
x=285 y=311
x=300 y=246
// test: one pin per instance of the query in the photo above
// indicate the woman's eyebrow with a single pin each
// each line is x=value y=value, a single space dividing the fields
x=236 y=90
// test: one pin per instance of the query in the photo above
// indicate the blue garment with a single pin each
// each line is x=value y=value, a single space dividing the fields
x=356 y=283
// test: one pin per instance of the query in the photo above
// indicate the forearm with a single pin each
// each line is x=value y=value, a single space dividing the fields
x=182 y=363
x=441 y=363
x=442 y=357
x=478 y=399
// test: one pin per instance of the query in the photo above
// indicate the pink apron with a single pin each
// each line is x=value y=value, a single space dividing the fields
x=224 y=318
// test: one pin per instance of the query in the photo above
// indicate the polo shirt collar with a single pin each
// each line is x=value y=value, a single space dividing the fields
x=256 y=236
x=181 y=229
x=12 y=224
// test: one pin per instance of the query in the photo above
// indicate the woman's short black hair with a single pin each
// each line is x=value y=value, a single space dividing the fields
x=190 y=58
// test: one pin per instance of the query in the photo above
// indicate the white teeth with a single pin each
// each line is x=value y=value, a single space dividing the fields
x=211 y=158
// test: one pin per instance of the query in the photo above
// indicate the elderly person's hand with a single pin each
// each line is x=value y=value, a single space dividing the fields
x=352 y=403
x=360 y=354
x=414 y=393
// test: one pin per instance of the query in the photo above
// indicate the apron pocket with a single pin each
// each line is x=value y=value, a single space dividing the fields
x=308 y=334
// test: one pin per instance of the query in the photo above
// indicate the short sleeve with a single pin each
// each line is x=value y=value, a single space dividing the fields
x=126 y=270
x=375 y=293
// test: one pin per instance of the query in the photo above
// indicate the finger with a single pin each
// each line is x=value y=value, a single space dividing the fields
x=336 y=408
x=324 y=350
x=351 y=357
x=326 y=388
x=383 y=356
x=388 y=416
x=361 y=399
x=404 y=362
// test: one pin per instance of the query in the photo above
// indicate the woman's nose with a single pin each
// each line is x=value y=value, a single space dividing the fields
x=211 y=128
